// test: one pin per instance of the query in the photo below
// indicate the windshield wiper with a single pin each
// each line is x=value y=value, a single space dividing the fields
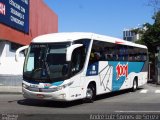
x=48 y=70
x=43 y=69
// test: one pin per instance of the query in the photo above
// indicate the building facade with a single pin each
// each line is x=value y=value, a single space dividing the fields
x=130 y=35
x=20 y=22
x=134 y=34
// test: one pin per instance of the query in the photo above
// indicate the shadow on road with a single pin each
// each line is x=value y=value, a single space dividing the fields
x=113 y=94
x=56 y=104
x=45 y=103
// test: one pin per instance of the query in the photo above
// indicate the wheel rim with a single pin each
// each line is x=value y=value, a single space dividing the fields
x=89 y=93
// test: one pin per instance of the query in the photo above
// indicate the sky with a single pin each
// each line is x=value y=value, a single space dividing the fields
x=106 y=17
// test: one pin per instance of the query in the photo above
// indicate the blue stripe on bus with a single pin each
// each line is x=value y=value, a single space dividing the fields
x=135 y=67
x=57 y=83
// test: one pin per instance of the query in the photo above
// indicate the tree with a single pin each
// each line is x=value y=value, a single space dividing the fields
x=151 y=34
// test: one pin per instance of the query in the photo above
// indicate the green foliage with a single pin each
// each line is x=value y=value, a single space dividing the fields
x=152 y=33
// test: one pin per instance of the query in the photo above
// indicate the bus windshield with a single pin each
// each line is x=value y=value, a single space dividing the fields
x=46 y=61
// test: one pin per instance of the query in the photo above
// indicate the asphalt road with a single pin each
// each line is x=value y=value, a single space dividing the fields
x=146 y=100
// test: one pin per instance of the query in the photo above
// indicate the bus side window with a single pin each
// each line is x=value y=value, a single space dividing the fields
x=130 y=53
x=95 y=56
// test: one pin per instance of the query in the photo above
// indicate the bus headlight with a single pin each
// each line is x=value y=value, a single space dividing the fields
x=63 y=86
x=36 y=89
x=25 y=86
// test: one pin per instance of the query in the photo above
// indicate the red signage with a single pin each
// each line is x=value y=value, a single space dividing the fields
x=122 y=70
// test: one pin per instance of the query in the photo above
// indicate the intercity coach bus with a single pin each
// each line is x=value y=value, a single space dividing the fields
x=71 y=66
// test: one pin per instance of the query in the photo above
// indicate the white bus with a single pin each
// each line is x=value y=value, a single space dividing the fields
x=71 y=66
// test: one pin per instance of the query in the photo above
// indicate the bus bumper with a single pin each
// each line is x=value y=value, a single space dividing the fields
x=56 y=96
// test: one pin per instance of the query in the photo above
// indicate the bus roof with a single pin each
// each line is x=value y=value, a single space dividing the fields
x=72 y=36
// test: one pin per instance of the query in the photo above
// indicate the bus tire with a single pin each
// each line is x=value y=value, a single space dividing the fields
x=90 y=93
x=135 y=85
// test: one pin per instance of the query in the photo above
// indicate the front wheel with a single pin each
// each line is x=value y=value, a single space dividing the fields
x=91 y=93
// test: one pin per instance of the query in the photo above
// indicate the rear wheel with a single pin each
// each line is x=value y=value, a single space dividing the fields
x=91 y=93
x=135 y=85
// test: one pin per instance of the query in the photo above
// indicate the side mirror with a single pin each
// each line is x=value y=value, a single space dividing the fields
x=19 y=50
x=70 y=49
x=25 y=52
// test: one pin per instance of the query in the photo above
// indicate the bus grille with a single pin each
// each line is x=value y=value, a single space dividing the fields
x=41 y=89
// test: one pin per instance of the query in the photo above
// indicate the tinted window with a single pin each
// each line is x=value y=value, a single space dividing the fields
x=104 y=51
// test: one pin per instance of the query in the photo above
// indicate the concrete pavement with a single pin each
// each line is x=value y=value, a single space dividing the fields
x=10 y=89
x=118 y=102
x=144 y=104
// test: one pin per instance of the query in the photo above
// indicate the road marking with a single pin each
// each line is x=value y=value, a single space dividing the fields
x=144 y=91
x=137 y=111
x=157 y=91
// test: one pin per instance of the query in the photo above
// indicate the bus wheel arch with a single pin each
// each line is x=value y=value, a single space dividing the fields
x=135 y=84
x=91 y=92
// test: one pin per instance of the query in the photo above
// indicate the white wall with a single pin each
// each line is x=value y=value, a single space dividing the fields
x=8 y=65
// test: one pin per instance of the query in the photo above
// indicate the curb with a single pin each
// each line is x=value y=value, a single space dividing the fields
x=16 y=93
x=153 y=84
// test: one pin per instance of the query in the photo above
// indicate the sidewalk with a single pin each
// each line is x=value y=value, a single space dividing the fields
x=10 y=89
x=153 y=84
